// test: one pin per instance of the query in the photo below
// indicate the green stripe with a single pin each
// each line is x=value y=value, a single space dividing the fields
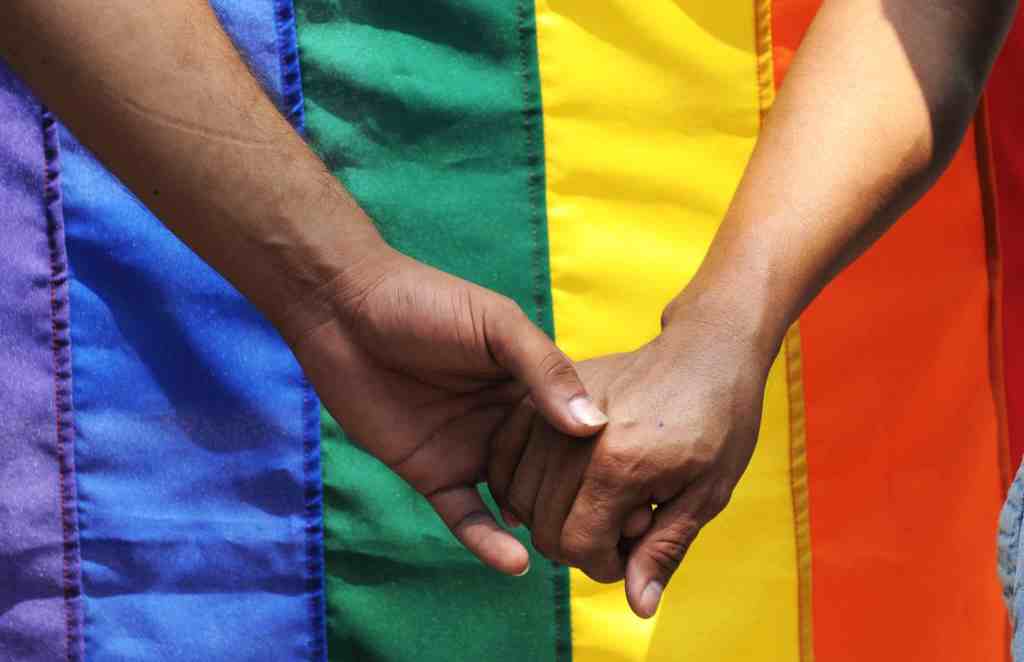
x=430 y=114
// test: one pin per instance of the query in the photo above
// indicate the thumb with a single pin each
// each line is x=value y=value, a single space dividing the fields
x=530 y=356
x=465 y=514
x=656 y=556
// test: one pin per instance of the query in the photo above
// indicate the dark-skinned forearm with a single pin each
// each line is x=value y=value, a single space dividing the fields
x=158 y=92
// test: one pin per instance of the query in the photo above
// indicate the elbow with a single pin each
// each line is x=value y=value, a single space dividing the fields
x=951 y=114
x=953 y=97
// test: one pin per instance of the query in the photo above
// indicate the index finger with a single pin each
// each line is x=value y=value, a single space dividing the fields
x=465 y=514
x=593 y=529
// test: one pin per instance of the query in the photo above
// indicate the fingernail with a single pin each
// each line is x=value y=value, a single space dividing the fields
x=650 y=598
x=523 y=573
x=586 y=412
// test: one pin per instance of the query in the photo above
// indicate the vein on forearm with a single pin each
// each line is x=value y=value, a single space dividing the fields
x=175 y=122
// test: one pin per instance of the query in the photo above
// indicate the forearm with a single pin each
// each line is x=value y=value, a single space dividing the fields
x=158 y=92
x=875 y=104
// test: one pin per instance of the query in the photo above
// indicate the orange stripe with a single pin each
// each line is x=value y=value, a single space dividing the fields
x=902 y=431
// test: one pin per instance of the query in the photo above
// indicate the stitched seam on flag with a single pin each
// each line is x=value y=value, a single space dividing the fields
x=993 y=253
x=799 y=487
x=765 y=59
x=61 y=346
x=314 y=521
x=533 y=126
x=294 y=106
x=794 y=377
x=291 y=72
x=536 y=184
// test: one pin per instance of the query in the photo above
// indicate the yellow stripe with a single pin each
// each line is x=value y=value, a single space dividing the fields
x=651 y=110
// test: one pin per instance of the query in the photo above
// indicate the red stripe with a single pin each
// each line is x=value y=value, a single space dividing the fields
x=1006 y=112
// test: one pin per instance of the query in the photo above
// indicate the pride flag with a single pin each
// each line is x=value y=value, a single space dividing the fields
x=171 y=490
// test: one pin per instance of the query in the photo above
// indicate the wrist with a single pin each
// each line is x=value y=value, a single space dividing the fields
x=336 y=292
x=746 y=316
x=316 y=264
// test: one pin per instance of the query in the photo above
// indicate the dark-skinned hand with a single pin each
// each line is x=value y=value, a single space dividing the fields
x=420 y=368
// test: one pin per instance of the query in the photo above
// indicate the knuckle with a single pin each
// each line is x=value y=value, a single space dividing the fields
x=605 y=573
x=505 y=318
x=556 y=367
x=719 y=501
x=623 y=465
x=520 y=506
x=544 y=544
x=616 y=457
x=507 y=308
x=528 y=407
x=496 y=486
x=667 y=553
x=701 y=454
x=501 y=316
x=605 y=484
x=583 y=551
x=577 y=548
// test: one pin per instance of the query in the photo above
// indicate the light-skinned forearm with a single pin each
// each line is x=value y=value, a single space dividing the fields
x=876 y=102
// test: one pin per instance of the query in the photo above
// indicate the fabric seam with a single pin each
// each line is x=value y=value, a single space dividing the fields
x=533 y=124
x=291 y=73
x=536 y=185
x=988 y=184
x=293 y=103
x=799 y=488
x=990 y=211
x=61 y=347
x=314 y=521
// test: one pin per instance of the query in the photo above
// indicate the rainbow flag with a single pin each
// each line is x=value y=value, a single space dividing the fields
x=170 y=488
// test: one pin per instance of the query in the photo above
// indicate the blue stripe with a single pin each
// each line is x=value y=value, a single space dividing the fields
x=197 y=448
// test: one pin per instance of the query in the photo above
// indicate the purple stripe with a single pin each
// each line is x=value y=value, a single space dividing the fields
x=39 y=608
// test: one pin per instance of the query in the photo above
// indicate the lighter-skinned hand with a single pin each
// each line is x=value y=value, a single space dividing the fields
x=684 y=412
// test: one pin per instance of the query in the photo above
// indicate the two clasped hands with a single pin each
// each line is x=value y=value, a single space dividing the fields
x=450 y=385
